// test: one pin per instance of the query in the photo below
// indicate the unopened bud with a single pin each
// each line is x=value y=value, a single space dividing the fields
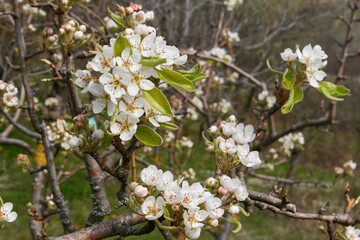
x=211 y=182
x=72 y=23
x=82 y=28
x=213 y=129
x=98 y=134
x=75 y=142
x=88 y=66
x=232 y=118
x=133 y=185
x=214 y=222
x=65 y=2
x=49 y=31
x=210 y=149
x=129 y=10
x=62 y=31
x=149 y=15
x=52 y=39
x=78 y=35
x=222 y=190
x=175 y=207
x=68 y=27
x=234 y=210
x=137 y=7
x=140 y=191
x=121 y=10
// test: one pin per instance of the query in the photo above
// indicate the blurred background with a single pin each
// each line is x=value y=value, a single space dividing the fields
x=265 y=29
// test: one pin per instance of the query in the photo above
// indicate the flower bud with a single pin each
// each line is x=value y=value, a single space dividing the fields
x=49 y=31
x=78 y=35
x=65 y=2
x=72 y=23
x=214 y=222
x=133 y=185
x=121 y=10
x=129 y=10
x=140 y=191
x=175 y=207
x=82 y=28
x=234 y=210
x=232 y=118
x=98 y=134
x=75 y=142
x=68 y=27
x=62 y=31
x=149 y=15
x=210 y=149
x=211 y=182
x=88 y=66
x=137 y=7
x=52 y=39
x=222 y=190
x=213 y=129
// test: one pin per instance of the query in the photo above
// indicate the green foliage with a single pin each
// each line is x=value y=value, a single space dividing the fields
x=158 y=101
x=169 y=126
x=152 y=61
x=332 y=91
x=234 y=221
x=288 y=79
x=120 y=44
x=194 y=73
x=175 y=79
x=119 y=20
x=148 y=136
x=296 y=95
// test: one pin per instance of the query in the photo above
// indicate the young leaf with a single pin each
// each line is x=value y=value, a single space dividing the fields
x=170 y=126
x=176 y=79
x=193 y=74
x=120 y=44
x=152 y=61
x=296 y=95
x=280 y=74
x=332 y=91
x=106 y=141
x=119 y=20
x=158 y=101
x=148 y=136
x=231 y=220
x=288 y=79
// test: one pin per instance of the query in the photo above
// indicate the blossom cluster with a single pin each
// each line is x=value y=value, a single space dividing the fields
x=58 y=135
x=233 y=140
x=6 y=213
x=232 y=37
x=290 y=141
x=223 y=106
x=313 y=58
x=8 y=94
x=230 y=4
x=347 y=168
x=72 y=30
x=188 y=207
x=266 y=97
x=219 y=53
x=118 y=82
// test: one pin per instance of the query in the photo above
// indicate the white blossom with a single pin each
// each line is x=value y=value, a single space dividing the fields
x=6 y=214
x=288 y=55
x=153 y=209
x=125 y=125
x=213 y=205
x=194 y=216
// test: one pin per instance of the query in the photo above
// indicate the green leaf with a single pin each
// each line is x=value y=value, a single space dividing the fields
x=158 y=101
x=119 y=20
x=120 y=44
x=152 y=61
x=332 y=91
x=231 y=220
x=296 y=95
x=193 y=74
x=168 y=125
x=106 y=141
x=176 y=79
x=148 y=136
x=280 y=74
x=288 y=79
x=207 y=141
